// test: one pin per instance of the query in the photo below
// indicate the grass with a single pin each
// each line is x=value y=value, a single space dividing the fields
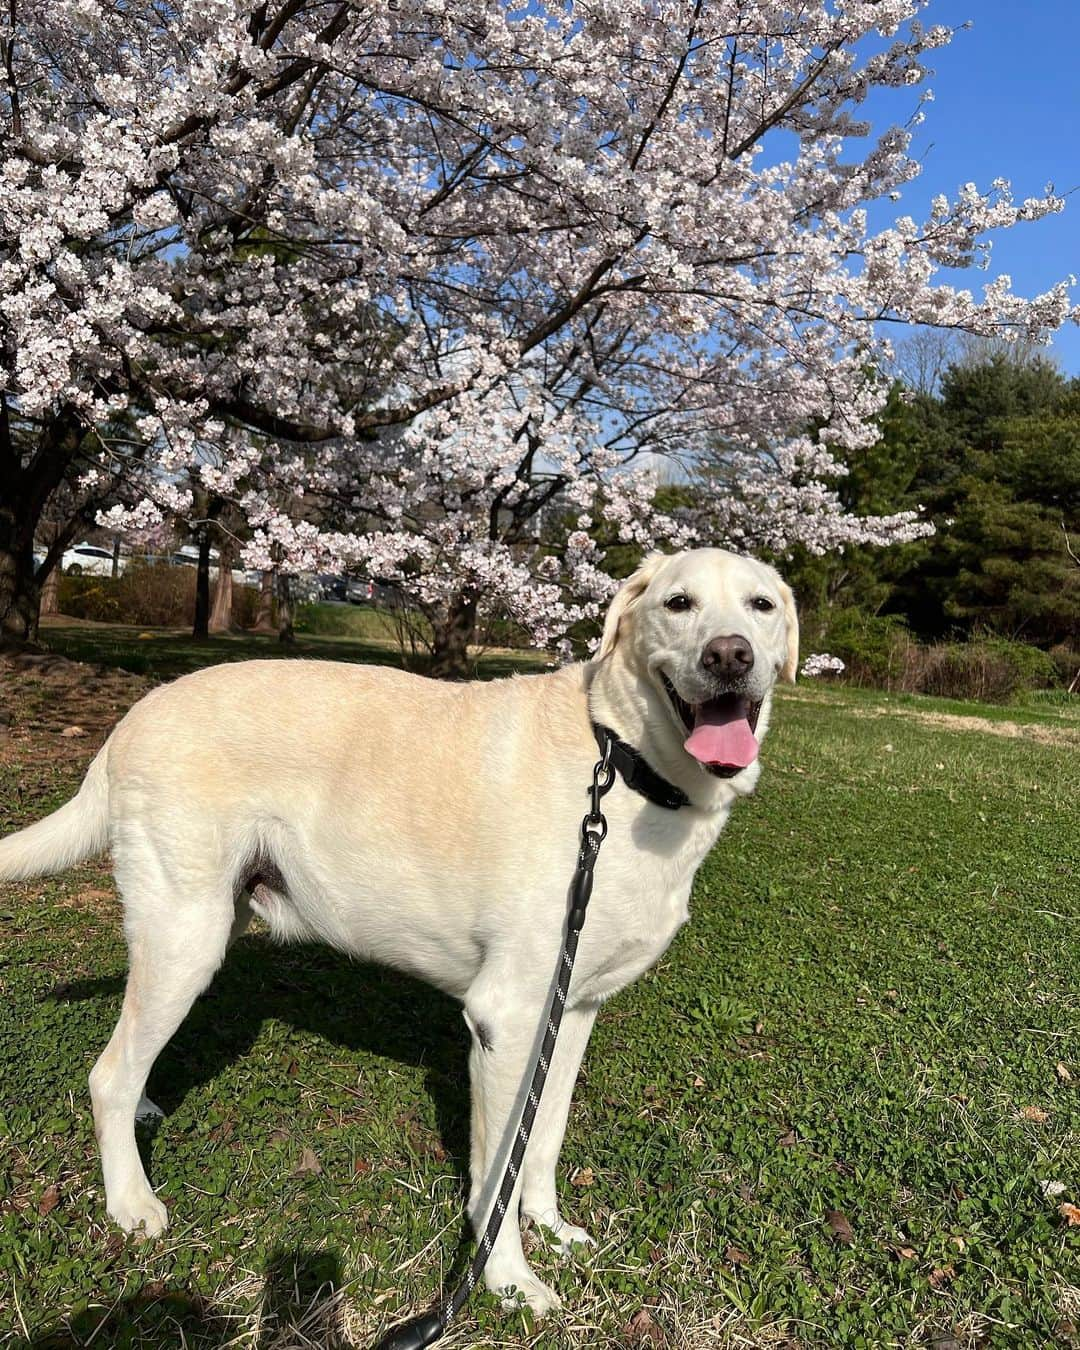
x=365 y=636
x=348 y=620
x=873 y=1014
x=1054 y=707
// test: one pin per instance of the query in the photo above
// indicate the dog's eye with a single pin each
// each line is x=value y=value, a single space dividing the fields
x=762 y=603
x=678 y=603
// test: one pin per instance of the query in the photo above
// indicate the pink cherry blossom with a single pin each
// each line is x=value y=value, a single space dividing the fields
x=417 y=284
x=821 y=663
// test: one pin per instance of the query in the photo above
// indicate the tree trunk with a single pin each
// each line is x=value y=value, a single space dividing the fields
x=24 y=492
x=49 y=583
x=202 y=587
x=221 y=613
x=453 y=633
x=50 y=592
x=264 y=615
x=20 y=594
x=285 y=610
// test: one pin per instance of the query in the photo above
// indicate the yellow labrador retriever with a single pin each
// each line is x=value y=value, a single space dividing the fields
x=434 y=828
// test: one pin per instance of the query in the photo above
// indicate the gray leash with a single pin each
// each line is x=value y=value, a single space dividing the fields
x=429 y=1327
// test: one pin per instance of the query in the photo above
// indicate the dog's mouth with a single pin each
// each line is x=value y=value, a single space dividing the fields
x=720 y=731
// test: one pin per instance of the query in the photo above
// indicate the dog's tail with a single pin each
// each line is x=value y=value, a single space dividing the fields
x=79 y=829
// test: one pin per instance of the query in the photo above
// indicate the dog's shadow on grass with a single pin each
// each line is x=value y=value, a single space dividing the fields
x=300 y=1305
x=348 y=1004
x=315 y=989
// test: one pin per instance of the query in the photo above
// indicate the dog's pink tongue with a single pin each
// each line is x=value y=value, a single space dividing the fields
x=722 y=735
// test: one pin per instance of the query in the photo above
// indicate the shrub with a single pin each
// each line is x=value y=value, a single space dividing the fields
x=154 y=595
x=149 y=595
x=993 y=670
x=1066 y=662
x=878 y=651
x=874 y=648
x=245 y=605
x=89 y=597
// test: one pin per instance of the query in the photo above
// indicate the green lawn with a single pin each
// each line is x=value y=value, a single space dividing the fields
x=365 y=636
x=873 y=1016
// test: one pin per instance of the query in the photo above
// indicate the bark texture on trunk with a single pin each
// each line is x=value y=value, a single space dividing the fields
x=50 y=592
x=264 y=615
x=202 y=588
x=24 y=491
x=20 y=595
x=285 y=610
x=56 y=539
x=221 y=610
x=453 y=633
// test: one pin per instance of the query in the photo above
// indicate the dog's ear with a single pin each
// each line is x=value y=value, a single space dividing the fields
x=791 y=618
x=631 y=589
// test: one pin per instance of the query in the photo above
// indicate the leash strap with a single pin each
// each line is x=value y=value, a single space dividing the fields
x=426 y=1329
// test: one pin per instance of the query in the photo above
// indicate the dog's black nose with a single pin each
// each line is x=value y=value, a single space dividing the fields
x=728 y=657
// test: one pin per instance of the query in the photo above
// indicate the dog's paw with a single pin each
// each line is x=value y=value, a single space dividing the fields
x=515 y=1289
x=566 y=1238
x=560 y=1236
x=141 y=1214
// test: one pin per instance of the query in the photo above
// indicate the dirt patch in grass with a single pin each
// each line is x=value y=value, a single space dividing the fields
x=1029 y=731
x=1024 y=731
x=66 y=708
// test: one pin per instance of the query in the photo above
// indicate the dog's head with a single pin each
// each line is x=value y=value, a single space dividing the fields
x=711 y=631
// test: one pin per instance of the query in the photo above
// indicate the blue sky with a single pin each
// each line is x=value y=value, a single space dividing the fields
x=1006 y=104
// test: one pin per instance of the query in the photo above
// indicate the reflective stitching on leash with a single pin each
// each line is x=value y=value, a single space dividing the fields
x=428 y=1328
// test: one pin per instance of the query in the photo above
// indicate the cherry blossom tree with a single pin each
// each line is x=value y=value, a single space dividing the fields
x=448 y=267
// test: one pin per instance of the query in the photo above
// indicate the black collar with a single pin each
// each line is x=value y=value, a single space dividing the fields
x=637 y=773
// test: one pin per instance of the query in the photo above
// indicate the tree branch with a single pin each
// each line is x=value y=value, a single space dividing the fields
x=795 y=97
x=8 y=49
x=1068 y=545
x=240 y=409
x=669 y=92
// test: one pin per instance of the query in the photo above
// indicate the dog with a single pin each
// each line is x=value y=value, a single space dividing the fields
x=434 y=828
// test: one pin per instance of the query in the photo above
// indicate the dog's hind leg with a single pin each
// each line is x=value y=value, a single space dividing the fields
x=243 y=915
x=175 y=947
x=539 y=1200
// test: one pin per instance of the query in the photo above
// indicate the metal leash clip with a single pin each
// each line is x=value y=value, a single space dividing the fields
x=593 y=833
x=603 y=777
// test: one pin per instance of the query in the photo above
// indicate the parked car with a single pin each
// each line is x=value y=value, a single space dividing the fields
x=388 y=594
x=90 y=559
x=375 y=591
x=333 y=589
x=187 y=555
x=360 y=590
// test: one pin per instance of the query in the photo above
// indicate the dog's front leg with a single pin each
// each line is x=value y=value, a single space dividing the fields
x=503 y=1023
x=539 y=1199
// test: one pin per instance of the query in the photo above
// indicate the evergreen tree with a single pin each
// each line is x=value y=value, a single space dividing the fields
x=1000 y=472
